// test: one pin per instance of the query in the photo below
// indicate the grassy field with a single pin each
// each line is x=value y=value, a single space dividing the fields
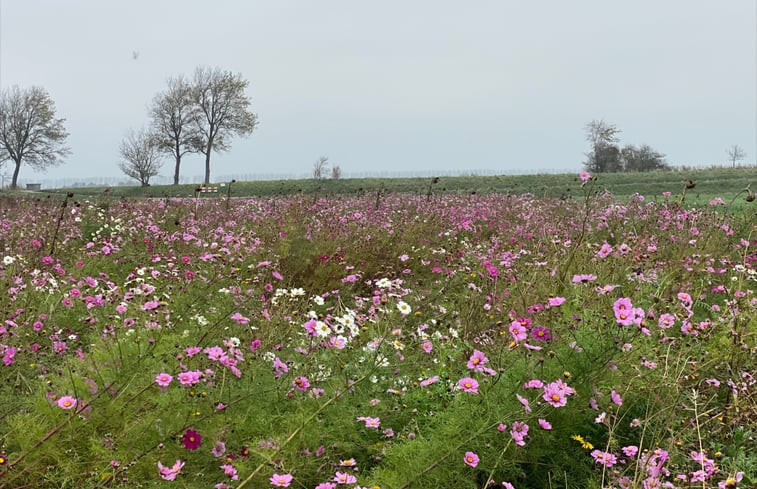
x=725 y=183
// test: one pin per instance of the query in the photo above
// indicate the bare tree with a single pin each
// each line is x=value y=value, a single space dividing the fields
x=222 y=110
x=319 y=168
x=29 y=131
x=735 y=154
x=605 y=154
x=173 y=113
x=140 y=154
x=336 y=172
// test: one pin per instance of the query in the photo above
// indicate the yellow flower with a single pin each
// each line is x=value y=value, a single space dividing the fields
x=584 y=444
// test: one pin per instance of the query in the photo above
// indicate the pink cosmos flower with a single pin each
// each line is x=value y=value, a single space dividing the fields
x=584 y=176
x=477 y=361
x=163 y=379
x=604 y=251
x=666 y=321
x=218 y=449
x=518 y=331
x=605 y=458
x=239 y=318
x=555 y=393
x=370 y=422
x=326 y=485
x=615 y=397
x=556 y=301
x=471 y=459
x=170 y=473
x=301 y=383
x=630 y=451
x=230 y=471
x=344 y=478
x=190 y=377
x=533 y=384
x=519 y=431
x=468 y=384
x=623 y=310
x=524 y=402
x=544 y=424
x=584 y=278
x=281 y=480
x=67 y=402
x=429 y=381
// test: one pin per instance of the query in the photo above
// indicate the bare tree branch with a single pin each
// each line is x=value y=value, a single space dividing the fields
x=140 y=155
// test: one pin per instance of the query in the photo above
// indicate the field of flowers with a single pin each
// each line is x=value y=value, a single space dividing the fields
x=399 y=342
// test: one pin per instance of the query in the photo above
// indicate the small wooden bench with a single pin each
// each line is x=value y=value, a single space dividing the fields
x=206 y=189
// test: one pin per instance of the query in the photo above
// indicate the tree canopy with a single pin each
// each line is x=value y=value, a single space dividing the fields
x=29 y=131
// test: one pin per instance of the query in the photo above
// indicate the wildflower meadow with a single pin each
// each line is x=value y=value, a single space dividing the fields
x=392 y=341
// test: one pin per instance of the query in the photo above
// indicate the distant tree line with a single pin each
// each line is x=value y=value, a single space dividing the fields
x=200 y=115
x=607 y=156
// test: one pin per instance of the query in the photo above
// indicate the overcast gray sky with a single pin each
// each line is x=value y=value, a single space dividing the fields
x=419 y=85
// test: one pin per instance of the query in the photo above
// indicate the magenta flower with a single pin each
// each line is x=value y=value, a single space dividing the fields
x=67 y=402
x=540 y=333
x=170 y=473
x=281 y=480
x=471 y=459
x=468 y=384
x=191 y=440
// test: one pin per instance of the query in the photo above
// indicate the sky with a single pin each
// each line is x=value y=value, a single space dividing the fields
x=398 y=86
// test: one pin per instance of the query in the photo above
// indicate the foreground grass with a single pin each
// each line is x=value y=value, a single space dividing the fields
x=399 y=342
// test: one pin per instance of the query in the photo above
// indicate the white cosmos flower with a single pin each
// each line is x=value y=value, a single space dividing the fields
x=7 y=260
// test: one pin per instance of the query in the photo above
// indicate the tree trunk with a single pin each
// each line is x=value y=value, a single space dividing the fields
x=208 y=149
x=176 y=171
x=14 y=182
